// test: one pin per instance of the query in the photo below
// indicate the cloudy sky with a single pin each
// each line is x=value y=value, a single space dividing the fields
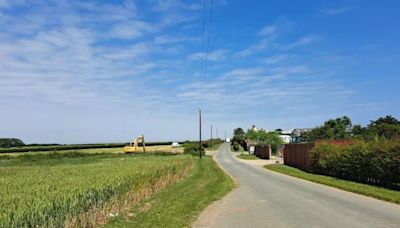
x=98 y=71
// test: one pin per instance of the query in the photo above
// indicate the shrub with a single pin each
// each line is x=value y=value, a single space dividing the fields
x=11 y=142
x=375 y=162
x=193 y=149
x=236 y=146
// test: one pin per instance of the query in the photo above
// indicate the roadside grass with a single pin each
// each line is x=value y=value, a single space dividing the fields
x=363 y=189
x=248 y=157
x=180 y=204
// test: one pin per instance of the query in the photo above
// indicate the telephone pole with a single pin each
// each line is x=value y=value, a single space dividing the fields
x=225 y=135
x=200 y=146
x=211 y=132
x=217 y=133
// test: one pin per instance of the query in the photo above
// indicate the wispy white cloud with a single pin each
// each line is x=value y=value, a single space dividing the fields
x=166 y=5
x=217 y=55
x=335 y=11
x=255 y=48
x=131 y=29
x=274 y=59
x=304 y=41
x=268 y=30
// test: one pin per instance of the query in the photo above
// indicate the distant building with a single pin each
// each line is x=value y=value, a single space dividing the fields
x=292 y=135
x=296 y=134
x=286 y=138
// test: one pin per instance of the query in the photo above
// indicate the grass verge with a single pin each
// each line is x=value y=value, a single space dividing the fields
x=363 y=189
x=180 y=204
x=248 y=156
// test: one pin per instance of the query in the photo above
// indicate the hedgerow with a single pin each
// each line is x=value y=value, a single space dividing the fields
x=373 y=162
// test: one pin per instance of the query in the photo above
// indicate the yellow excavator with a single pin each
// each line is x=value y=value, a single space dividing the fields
x=133 y=146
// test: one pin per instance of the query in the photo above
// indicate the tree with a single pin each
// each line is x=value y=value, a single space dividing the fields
x=11 y=142
x=339 y=128
x=387 y=127
x=263 y=137
x=238 y=134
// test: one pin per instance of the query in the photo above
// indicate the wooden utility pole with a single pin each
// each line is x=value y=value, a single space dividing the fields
x=200 y=146
x=217 y=133
x=225 y=135
x=211 y=132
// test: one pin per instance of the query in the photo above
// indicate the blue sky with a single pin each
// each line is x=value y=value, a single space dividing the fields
x=103 y=71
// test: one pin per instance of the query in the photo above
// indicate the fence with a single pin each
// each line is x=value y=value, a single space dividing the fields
x=298 y=155
x=263 y=151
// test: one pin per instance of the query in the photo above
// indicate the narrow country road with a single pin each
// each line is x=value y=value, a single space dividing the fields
x=268 y=199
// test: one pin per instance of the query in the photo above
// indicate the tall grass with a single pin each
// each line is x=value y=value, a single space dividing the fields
x=62 y=190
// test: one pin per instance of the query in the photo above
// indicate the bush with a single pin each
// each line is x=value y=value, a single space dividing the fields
x=11 y=142
x=193 y=149
x=375 y=162
x=211 y=142
x=235 y=146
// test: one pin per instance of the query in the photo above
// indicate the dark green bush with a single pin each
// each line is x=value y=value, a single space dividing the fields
x=236 y=146
x=211 y=142
x=193 y=149
x=11 y=142
x=375 y=162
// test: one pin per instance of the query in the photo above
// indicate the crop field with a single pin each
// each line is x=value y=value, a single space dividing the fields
x=80 y=189
x=149 y=149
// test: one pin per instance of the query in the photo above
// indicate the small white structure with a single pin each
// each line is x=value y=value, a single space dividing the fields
x=286 y=138
x=227 y=140
x=175 y=144
x=252 y=149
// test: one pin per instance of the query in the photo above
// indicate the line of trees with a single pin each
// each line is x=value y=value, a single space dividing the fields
x=387 y=127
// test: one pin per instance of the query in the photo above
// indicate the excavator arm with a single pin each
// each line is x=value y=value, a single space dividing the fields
x=135 y=147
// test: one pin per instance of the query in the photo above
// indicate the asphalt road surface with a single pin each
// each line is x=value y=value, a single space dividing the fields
x=268 y=199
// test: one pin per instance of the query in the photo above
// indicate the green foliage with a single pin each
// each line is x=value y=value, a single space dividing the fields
x=11 y=142
x=193 y=149
x=45 y=190
x=211 y=143
x=235 y=146
x=339 y=128
x=373 y=162
x=238 y=134
x=263 y=137
x=387 y=127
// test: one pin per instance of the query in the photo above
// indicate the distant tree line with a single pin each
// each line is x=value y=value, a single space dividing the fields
x=11 y=142
x=387 y=127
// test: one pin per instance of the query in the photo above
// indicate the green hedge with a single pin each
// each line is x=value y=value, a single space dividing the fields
x=193 y=149
x=375 y=162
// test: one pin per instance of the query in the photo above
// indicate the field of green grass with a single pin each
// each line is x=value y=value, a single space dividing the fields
x=180 y=204
x=80 y=189
x=364 y=189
